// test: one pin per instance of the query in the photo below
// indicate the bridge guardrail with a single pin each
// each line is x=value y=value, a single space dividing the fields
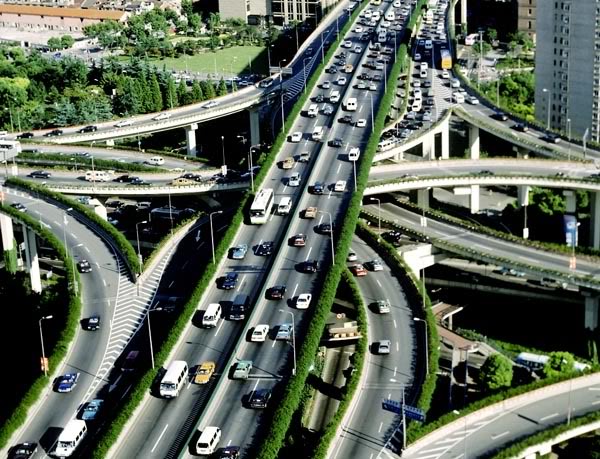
x=146 y=190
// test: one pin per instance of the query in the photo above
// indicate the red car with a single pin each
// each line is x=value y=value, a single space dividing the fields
x=358 y=270
x=299 y=240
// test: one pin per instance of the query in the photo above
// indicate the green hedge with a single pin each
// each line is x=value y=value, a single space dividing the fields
x=41 y=159
x=18 y=417
x=118 y=238
x=10 y=260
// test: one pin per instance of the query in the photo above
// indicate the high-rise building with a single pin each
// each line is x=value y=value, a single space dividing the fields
x=278 y=11
x=567 y=66
x=526 y=16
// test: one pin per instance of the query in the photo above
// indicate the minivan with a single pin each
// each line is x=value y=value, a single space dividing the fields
x=97 y=176
x=211 y=315
x=285 y=205
x=241 y=304
x=156 y=161
x=208 y=441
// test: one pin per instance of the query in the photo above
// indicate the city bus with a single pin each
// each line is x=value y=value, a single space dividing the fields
x=261 y=206
x=446 y=59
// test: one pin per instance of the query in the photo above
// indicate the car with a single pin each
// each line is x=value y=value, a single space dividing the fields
x=92 y=323
x=229 y=452
x=423 y=74
x=90 y=128
x=521 y=127
x=427 y=116
x=92 y=409
x=327 y=110
x=259 y=398
x=358 y=270
x=67 y=382
x=340 y=185
x=323 y=228
x=336 y=142
x=376 y=265
x=473 y=100
x=242 y=369
x=485 y=172
x=204 y=372
x=124 y=123
x=54 y=133
x=23 y=450
x=309 y=266
x=332 y=69
x=304 y=157
x=346 y=119
x=19 y=206
x=296 y=137
x=265 y=83
x=455 y=83
x=303 y=301
x=294 y=179
x=361 y=85
x=319 y=98
x=264 y=249
x=284 y=332
x=310 y=212
x=382 y=347
x=298 y=240
x=357 y=49
x=351 y=256
x=552 y=138
x=84 y=266
x=445 y=74
x=259 y=334
x=239 y=252
x=287 y=163
x=417 y=57
x=138 y=181
x=358 y=29
x=427 y=84
x=372 y=86
x=276 y=292
x=341 y=81
x=382 y=306
x=500 y=116
x=326 y=84
x=39 y=174
x=162 y=116
x=229 y=281
x=211 y=104
x=318 y=188
x=347 y=44
x=25 y=135
x=362 y=122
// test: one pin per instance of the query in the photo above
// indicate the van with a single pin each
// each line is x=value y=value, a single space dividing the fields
x=390 y=16
x=354 y=154
x=385 y=144
x=156 y=161
x=3 y=134
x=70 y=438
x=334 y=96
x=312 y=111
x=351 y=104
x=208 y=441
x=211 y=315
x=317 y=134
x=376 y=16
x=97 y=176
x=175 y=377
x=239 y=307
x=284 y=206
x=458 y=98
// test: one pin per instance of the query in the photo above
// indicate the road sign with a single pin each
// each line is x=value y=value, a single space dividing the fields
x=283 y=70
x=410 y=412
x=391 y=405
x=44 y=363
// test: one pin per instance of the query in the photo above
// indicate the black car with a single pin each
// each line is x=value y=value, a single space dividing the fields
x=337 y=142
x=138 y=181
x=552 y=138
x=318 y=188
x=18 y=206
x=23 y=450
x=346 y=119
x=276 y=292
x=229 y=281
x=522 y=127
x=229 y=452
x=323 y=228
x=25 y=135
x=377 y=77
x=39 y=174
x=264 y=249
x=125 y=178
x=426 y=84
x=309 y=266
x=54 y=133
x=332 y=69
x=84 y=266
x=485 y=172
x=237 y=312
x=88 y=129
x=259 y=398
x=319 y=98
x=343 y=55
x=92 y=323
x=500 y=116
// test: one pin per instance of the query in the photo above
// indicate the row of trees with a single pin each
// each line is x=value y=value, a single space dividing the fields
x=516 y=92
x=37 y=92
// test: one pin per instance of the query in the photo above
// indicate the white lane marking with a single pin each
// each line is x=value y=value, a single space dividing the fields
x=550 y=416
x=495 y=437
x=329 y=195
x=395 y=371
x=378 y=283
x=596 y=402
x=74 y=236
x=271 y=218
x=380 y=427
x=397 y=346
x=160 y=437
x=395 y=324
x=295 y=290
x=273 y=345
x=321 y=219
x=56 y=223
x=103 y=282
x=241 y=282
x=338 y=169
x=360 y=109
x=86 y=249
x=200 y=245
x=308 y=254
x=171 y=284
x=593 y=388
x=184 y=264
x=219 y=327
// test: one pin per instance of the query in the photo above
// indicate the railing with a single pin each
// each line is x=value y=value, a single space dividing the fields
x=165 y=190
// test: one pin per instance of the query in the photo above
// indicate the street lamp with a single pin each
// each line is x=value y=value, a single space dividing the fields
x=250 y=166
x=378 y=217
x=569 y=143
x=281 y=94
x=293 y=338
x=150 y=337
x=331 y=234
x=212 y=235
x=304 y=65
x=224 y=167
x=416 y=319
x=137 y=235
x=544 y=90
x=42 y=341
x=75 y=286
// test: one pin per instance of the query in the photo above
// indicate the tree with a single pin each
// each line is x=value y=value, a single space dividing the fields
x=496 y=372
x=155 y=94
x=54 y=43
x=170 y=93
x=548 y=201
x=222 y=88
x=67 y=41
x=208 y=89
x=197 y=94
x=182 y=93
x=492 y=34
x=559 y=363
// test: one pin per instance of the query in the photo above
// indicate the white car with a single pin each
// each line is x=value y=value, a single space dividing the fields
x=358 y=49
x=361 y=122
x=340 y=185
x=210 y=104
x=303 y=301
x=397 y=4
x=124 y=123
x=473 y=100
x=326 y=85
x=417 y=93
x=445 y=74
x=358 y=29
x=376 y=265
x=296 y=137
x=429 y=44
x=341 y=81
x=259 y=334
x=162 y=116
x=423 y=74
x=294 y=179
x=347 y=44
x=352 y=256
x=354 y=154
x=417 y=57
x=454 y=83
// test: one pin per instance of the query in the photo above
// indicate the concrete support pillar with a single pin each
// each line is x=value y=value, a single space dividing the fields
x=423 y=198
x=429 y=146
x=595 y=220
x=445 y=140
x=474 y=142
x=463 y=13
x=110 y=143
x=571 y=201
x=254 y=126
x=523 y=195
x=521 y=152
x=32 y=260
x=190 y=136
x=474 y=199
x=6 y=228
x=591 y=312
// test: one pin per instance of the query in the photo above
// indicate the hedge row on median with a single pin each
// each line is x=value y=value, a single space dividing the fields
x=41 y=159
x=18 y=417
x=118 y=238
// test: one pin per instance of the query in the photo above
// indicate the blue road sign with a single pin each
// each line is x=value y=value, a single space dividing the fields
x=391 y=405
x=410 y=412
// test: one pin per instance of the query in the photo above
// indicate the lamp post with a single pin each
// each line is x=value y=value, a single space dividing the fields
x=42 y=341
x=331 y=234
x=150 y=337
x=372 y=116
x=293 y=338
x=378 y=217
x=416 y=319
x=75 y=286
x=281 y=94
x=137 y=235
x=569 y=138
x=224 y=166
x=304 y=64
x=212 y=235
x=544 y=90
x=322 y=49
x=250 y=161
x=465 y=432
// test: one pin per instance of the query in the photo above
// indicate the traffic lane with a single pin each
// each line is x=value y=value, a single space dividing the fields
x=486 y=244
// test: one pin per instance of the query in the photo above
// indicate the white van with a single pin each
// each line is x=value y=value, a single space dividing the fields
x=211 y=315
x=376 y=16
x=458 y=98
x=285 y=206
x=334 y=96
x=390 y=16
x=351 y=104
x=208 y=441
x=97 y=176
x=156 y=161
x=175 y=377
x=354 y=154
x=312 y=111
x=317 y=134
x=70 y=438
x=385 y=145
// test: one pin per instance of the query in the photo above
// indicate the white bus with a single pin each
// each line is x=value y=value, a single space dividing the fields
x=174 y=378
x=261 y=206
x=382 y=36
x=97 y=176
x=9 y=148
x=70 y=438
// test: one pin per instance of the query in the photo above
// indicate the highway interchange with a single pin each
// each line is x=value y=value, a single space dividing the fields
x=157 y=435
